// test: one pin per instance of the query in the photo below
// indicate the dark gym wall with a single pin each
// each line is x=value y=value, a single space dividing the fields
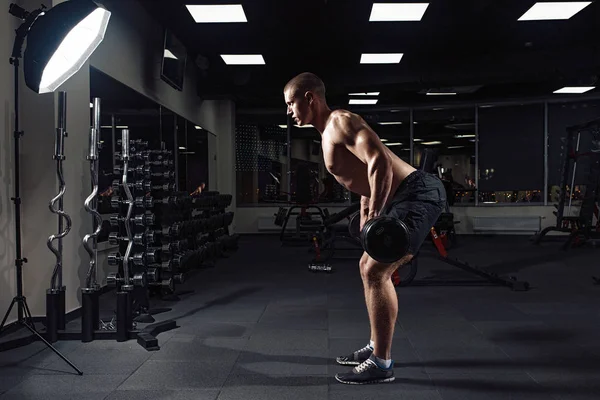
x=511 y=141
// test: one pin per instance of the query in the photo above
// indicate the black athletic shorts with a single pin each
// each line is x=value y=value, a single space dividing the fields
x=419 y=201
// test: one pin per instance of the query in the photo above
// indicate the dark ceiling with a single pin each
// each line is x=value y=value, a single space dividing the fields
x=458 y=43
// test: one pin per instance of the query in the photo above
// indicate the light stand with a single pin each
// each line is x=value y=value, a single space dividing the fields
x=20 y=300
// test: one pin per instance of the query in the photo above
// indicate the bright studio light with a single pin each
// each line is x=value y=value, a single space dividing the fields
x=60 y=41
x=74 y=50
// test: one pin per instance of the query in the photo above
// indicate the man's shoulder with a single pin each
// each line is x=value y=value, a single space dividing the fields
x=343 y=122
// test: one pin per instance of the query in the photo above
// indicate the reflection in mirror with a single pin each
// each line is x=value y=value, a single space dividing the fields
x=449 y=134
x=261 y=163
x=121 y=108
x=193 y=159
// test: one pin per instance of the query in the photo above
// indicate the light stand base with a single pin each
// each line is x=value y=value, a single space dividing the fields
x=27 y=322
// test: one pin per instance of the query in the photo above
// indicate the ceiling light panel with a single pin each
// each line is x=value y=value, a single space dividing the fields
x=544 y=11
x=381 y=58
x=243 y=59
x=398 y=11
x=363 y=101
x=217 y=13
x=574 y=89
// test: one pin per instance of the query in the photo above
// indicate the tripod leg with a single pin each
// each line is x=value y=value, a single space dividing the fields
x=53 y=349
x=14 y=300
x=28 y=316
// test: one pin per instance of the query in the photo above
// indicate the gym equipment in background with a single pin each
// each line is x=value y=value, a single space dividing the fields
x=90 y=315
x=581 y=228
x=55 y=296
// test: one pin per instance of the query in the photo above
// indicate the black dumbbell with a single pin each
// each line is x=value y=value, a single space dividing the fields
x=385 y=239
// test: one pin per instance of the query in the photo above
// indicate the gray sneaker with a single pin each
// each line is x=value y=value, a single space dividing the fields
x=366 y=373
x=359 y=356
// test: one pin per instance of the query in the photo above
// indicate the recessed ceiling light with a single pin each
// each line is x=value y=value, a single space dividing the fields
x=181 y=148
x=363 y=101
x=365 y=94
x=283 y=126
x=455 y=147
x=243 y=59
x=116 y=127
x=393 y=144
x=431 y=143
x=575 y=89
x=398 y=11
x=198 y=127
x=464 y=136
x=390 y=123
x=417 y=140
x=217 y=13
x=383 y=140
x=440 y=93
x=381 y=58
x=304 y=126
x=554 y=10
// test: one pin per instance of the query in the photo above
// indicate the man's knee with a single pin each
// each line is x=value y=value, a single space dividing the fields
x=374 y=271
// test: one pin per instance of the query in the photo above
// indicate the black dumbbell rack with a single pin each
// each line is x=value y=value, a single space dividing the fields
x=149 y=179
x=214 y=236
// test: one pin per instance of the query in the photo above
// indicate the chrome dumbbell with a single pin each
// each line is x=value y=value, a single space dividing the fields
x=151 y=256
x=144 y=202
x=144 y=238
x=143 y=185
x=114 y=279
x=152 y=275
x=144 y=220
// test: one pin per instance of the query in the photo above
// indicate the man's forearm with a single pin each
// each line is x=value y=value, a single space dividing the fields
x=364 y=206
x=380 y=181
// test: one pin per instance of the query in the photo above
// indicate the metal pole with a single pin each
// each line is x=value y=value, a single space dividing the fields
x=176 y=152
x=113 y=121
x=476 y=155
x=412 y=137
x=289 y=156
x=62 y=126
x=546 y=153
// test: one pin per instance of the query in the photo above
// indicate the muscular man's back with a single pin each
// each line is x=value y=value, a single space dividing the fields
x=340 y=160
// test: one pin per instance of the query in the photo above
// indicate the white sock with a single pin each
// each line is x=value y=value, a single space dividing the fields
x=371 y=344
x=381 y=362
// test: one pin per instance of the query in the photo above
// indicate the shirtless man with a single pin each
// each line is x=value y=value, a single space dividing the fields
x=359 y=161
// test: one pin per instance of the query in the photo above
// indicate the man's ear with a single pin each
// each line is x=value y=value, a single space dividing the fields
x=309 y=97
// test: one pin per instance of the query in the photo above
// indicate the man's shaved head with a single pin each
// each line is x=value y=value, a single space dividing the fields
x=305 y=82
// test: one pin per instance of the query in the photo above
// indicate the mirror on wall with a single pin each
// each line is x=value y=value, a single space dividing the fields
x=124 y=108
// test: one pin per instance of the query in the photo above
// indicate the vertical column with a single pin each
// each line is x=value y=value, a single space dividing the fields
x=476 y=155
x=546 y=153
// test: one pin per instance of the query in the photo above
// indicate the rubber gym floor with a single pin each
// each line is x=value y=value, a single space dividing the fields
x=260 y=326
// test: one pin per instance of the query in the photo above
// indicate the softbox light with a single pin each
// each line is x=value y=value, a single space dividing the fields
x=60 y=41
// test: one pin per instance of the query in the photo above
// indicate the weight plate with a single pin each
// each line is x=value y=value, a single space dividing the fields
x=385 y=239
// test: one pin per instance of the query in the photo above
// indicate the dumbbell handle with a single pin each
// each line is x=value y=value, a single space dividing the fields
x=337 y=217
